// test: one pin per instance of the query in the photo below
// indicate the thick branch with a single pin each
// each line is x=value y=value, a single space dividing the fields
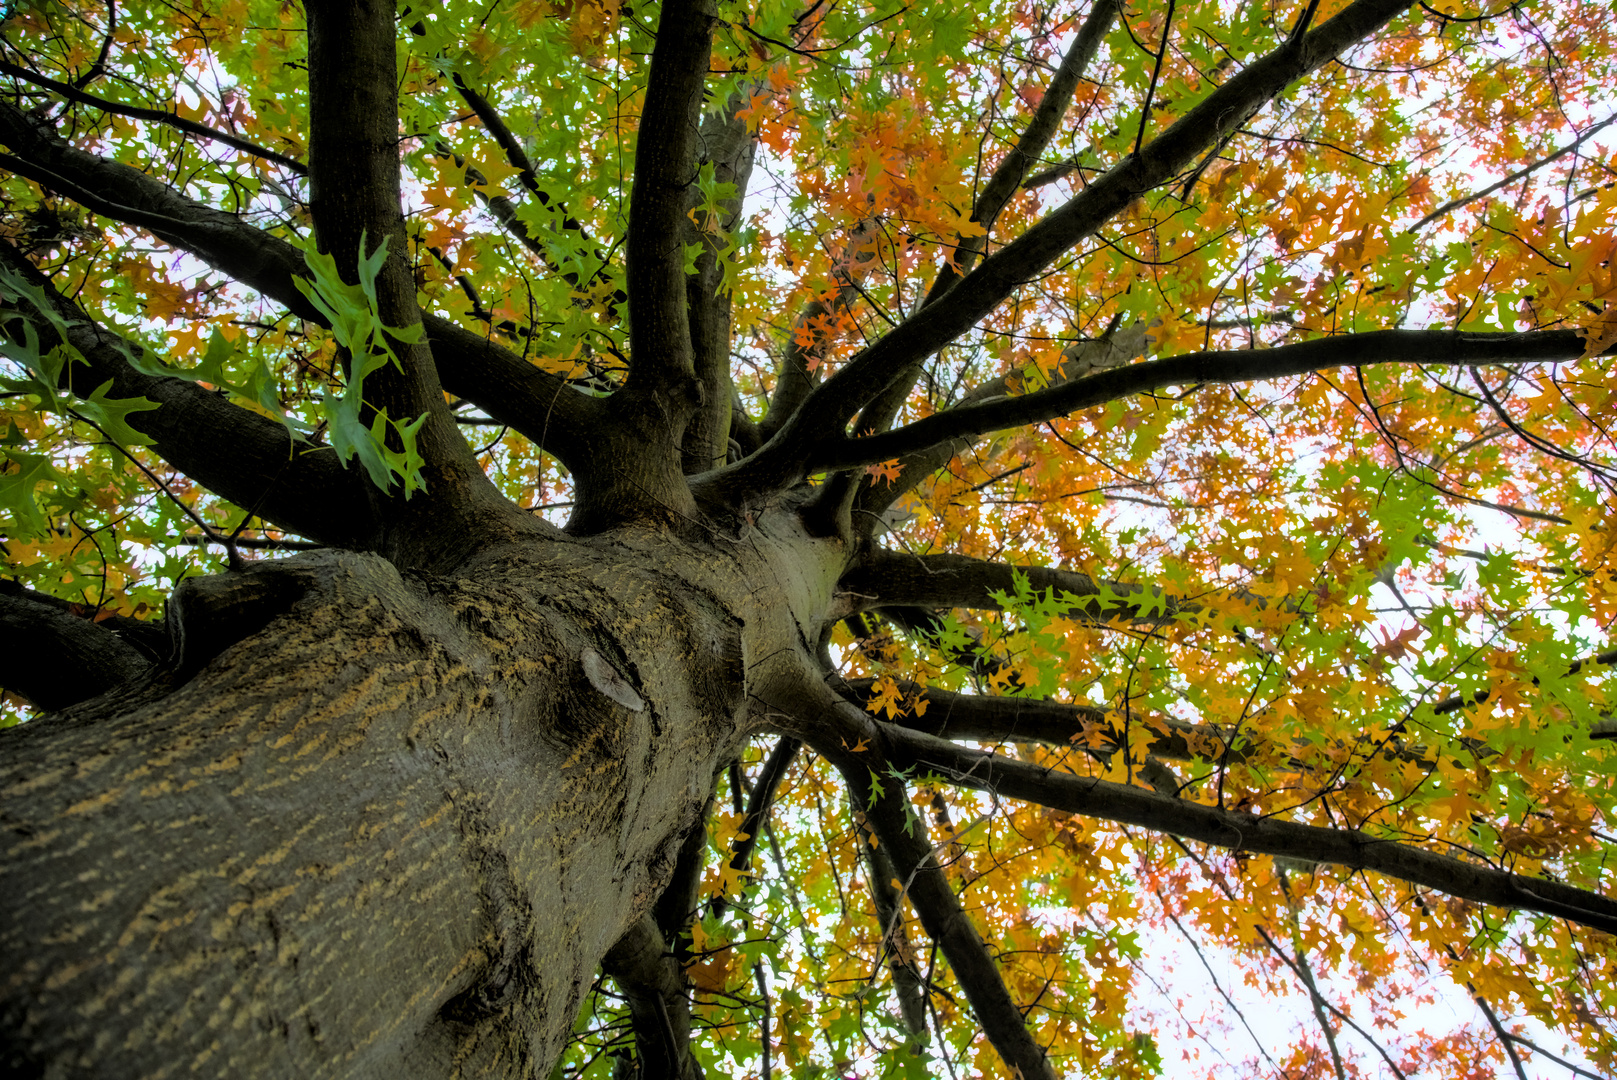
x=354 y=177
x=541 y=406
x=665 y=152
x=246 y=458
x=826 y=413
x=1436 y=347
x=659 y=1009
x=887 y=578
x=1246 y=832
x=55 y=658
x=673 y=910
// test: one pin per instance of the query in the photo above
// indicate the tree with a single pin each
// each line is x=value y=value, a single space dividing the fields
x=954 y=486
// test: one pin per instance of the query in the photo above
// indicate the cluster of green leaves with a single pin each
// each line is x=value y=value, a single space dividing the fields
x=353 y=314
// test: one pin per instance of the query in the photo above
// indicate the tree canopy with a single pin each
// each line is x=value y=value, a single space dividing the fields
x=1216 y=401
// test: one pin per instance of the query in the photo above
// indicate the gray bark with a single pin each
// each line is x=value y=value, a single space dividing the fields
x=394 y=831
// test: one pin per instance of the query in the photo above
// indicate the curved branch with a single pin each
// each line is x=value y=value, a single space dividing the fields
x=658 y=1007
x=1245 y=832
x=825 y=414
x=55 y=658
x=887 y=578
x=155 y=116
x=240 y=455
x=543 y=407
x=1437 y=347
x=504 y=210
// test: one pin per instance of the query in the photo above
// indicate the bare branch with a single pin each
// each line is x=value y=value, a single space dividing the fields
x=1245 y=832
x=916 y=867
x=1519 y=174
x=759 y=803
x=1080 y=359
x=846 y=737
x=1434 y=347
x=155 y=116
x=886 y=890
x=503 y=210
x=1041 y=128
x=800 y=365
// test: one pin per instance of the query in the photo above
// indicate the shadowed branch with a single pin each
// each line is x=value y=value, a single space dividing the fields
x=56 y=658
x=896 y=578
x=240 y=455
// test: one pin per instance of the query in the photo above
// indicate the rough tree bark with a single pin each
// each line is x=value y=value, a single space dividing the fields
x=382 y=809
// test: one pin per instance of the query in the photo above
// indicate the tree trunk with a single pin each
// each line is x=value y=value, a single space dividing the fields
x=393 y=832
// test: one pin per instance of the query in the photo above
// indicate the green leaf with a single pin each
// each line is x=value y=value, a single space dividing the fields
x=111 y=415
x=17 y=491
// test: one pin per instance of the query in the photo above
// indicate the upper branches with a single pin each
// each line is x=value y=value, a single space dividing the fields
x=156 y=116
x=1041 y=128
x=1003 y=184
x=827 y=411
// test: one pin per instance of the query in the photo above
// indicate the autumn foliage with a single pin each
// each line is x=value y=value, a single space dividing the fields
x=1344 y=568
